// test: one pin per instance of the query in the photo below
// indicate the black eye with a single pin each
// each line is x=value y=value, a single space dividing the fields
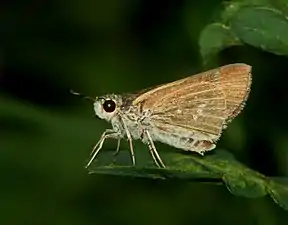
x=109 y=105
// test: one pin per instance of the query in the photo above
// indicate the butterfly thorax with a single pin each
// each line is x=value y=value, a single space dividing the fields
x=124 y=116
x=135 y=119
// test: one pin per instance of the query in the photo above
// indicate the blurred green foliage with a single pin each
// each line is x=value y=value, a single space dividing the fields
x=101 y=47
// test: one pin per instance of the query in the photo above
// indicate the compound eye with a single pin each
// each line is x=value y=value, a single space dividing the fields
x=109 y=106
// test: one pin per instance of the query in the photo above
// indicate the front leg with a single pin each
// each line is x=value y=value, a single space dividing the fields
x=109 y=133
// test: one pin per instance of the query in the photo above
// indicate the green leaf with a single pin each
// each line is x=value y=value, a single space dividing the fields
x=217 y=167
x=232 y=7
x=215 y=38
x=281 y=5
x=265 y=28
x=256 y=23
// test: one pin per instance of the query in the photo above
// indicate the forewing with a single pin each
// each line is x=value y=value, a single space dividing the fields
x=203 y=102
x=235 y=81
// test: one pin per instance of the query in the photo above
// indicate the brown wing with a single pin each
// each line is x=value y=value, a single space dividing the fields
x=203 y=102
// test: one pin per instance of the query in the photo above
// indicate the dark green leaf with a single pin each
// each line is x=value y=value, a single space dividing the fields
x=279 y=191
x=179 y=166
x=216 y=167
x=242 y=184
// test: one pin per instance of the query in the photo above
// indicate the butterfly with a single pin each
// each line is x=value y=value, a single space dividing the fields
x=188 y=114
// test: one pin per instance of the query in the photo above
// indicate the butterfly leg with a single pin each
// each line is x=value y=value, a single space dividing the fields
x=118 y=147
x=103 y=134
x=150 y=148
x=153 y=155
x=131 y=147
x=153 y=150
x=106 y=134
x=129 y=137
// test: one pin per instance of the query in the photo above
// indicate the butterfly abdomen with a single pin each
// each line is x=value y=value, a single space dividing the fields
x=189 y=142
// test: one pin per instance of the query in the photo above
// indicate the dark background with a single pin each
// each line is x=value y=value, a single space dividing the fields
x=99 y=47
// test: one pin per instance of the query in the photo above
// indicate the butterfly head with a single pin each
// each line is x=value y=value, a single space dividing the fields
x=107 y=106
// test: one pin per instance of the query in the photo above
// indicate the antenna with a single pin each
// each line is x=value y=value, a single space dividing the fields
x=82 y=95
